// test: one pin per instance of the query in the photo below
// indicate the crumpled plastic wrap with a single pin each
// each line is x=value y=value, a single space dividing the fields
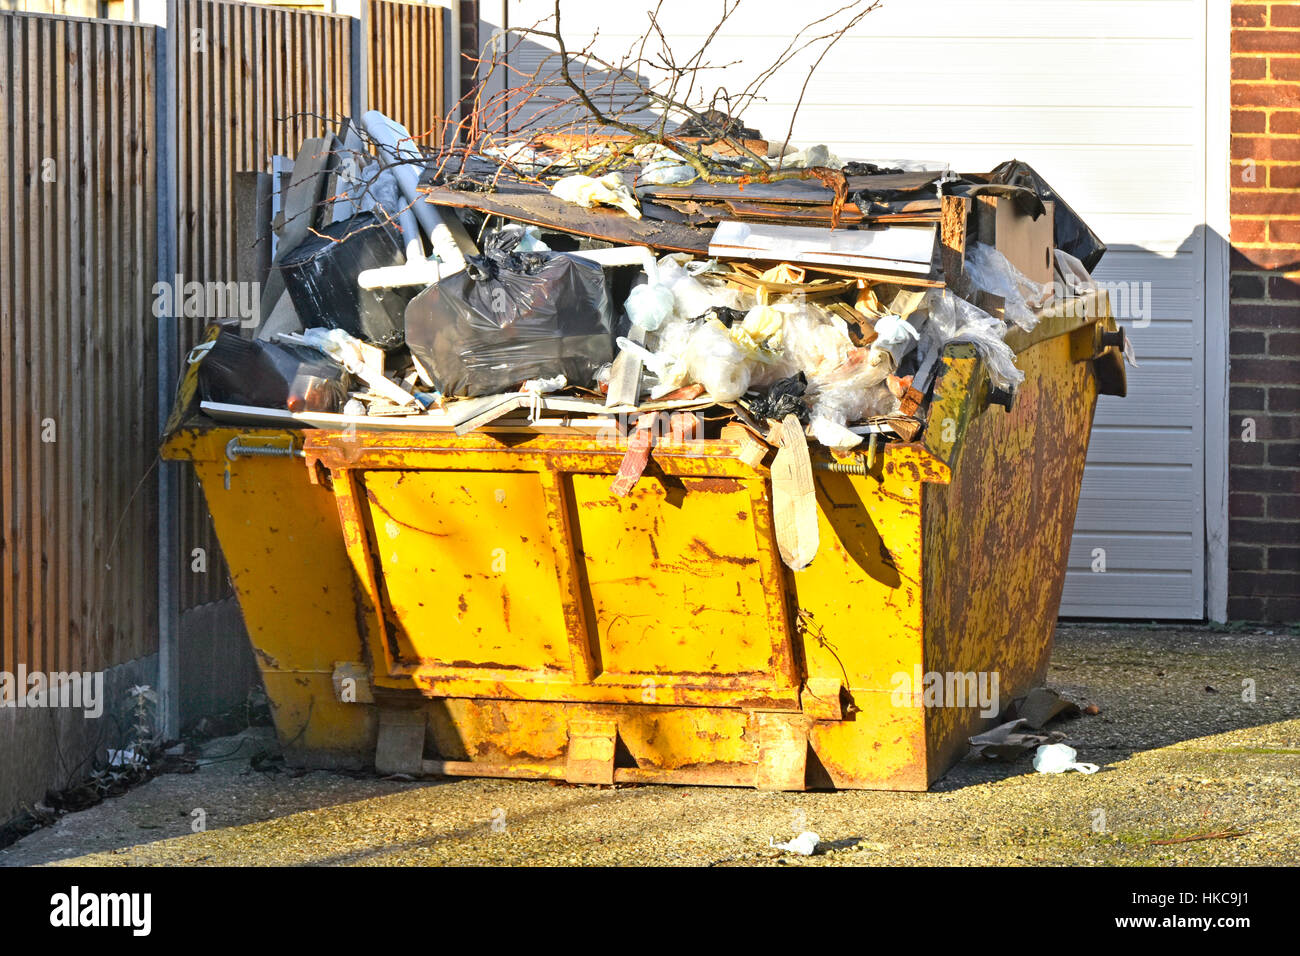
x=993 y=272
x=846 y=383
x=675 y=290
x=716 y=361
x=649 y=306
x=773 y=344
x=953 y=319
x=510 y=317
x=895 y=335
x=1075 y=278
x=694 y=292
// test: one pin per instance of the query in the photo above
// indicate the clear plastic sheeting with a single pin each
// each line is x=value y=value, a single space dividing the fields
x=694 y=292
x=716 y=361
x=1075 y=277
x=953 y=319
x=649 y=306
x=773 y=343
x=676 y=290
x=991 y=271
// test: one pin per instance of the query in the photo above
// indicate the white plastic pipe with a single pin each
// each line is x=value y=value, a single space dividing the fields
x=417 y=270
x=451 y=243
x=624 y=256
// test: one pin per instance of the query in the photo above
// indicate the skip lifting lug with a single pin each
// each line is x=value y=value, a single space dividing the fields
x=1006 y=397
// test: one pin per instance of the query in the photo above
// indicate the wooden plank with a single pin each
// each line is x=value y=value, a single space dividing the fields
x=794 y=498
x=786 y=212
x=539 y=208
x=789 y=190
x=578 y=141
x=954 y=214
x=40 y=274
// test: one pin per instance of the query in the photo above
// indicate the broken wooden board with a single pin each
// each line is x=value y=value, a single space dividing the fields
x=794 y=498
x=765 y=290
x=809 y=191
x=572 y=142
x=537 y=207
x=637 y=457
x=862 y=328
x=952 y=240
x=752 y=449
x=819 y=214
x=878 y=275
x=907 y=249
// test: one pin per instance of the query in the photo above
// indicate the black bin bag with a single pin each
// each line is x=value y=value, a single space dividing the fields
x=1069 y=232
x=321 y=276
x=511 y=317
x=236 y=371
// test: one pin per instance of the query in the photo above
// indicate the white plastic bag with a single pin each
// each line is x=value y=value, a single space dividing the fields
x=805 y=844
x=1058 y=758
x=1075 y=276
x=666 y=172
x=819 y=155
x=715 y=361
x=649 y=306
x=896 y=336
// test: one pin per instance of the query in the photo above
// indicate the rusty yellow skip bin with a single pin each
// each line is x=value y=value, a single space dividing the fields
x=483 y=605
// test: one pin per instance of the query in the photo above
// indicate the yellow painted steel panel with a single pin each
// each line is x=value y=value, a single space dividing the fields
x=468 y=568
x=674 y=578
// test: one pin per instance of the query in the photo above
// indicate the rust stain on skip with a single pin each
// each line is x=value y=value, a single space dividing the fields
x=739 y=560
x=718 y=486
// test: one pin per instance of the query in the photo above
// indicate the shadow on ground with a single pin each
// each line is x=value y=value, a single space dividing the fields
x=1186 y=756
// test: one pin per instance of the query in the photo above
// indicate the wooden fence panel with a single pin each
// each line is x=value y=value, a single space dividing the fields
x=78 y=342
x=405 y=49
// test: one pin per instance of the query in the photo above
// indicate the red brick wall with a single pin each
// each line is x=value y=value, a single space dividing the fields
x=1264 y=316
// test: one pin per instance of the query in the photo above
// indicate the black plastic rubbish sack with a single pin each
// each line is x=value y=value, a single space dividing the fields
x=321 y=276
x=237 y=371
x=1070 y=233
x=511 y=317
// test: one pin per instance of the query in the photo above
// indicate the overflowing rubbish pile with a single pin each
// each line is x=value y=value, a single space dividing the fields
x=510 y=290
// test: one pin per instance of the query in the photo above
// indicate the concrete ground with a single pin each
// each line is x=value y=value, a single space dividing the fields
x=1182 y=755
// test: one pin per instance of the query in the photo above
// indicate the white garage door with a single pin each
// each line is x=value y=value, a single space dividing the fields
x=1106 y=99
